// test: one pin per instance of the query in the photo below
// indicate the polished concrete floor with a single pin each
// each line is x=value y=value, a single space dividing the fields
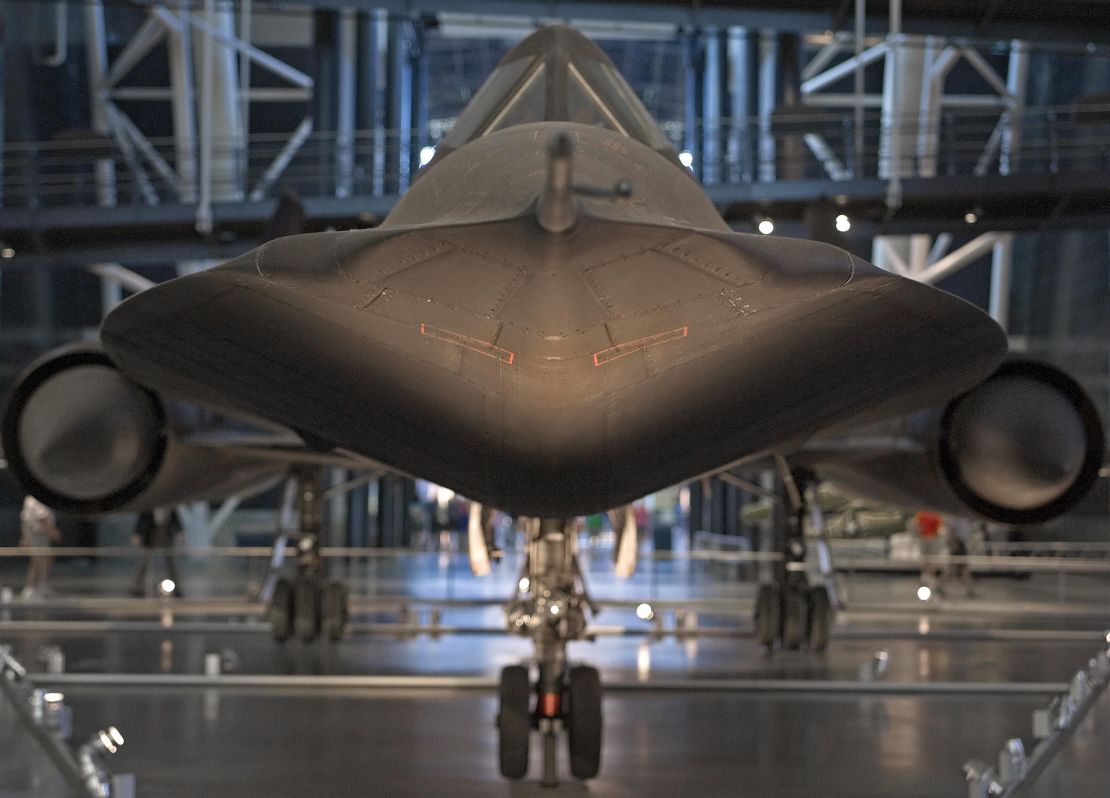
x=231 y=741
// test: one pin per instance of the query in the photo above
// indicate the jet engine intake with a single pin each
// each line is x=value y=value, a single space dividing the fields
x=1023 y=447
x=84 y=439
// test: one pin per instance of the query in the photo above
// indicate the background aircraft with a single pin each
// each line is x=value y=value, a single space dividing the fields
x=555 y=321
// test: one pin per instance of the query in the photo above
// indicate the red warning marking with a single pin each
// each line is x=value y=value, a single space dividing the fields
x=549 y=705
x=620 y=350
x=483 y=347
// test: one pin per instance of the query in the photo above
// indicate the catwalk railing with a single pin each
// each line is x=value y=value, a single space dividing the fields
x=1058 y=577
x=805 y=145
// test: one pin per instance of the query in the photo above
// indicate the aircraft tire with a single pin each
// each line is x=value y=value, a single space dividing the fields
x=820 y=618
x=795 y=610
x=768 y=612
x=335 y=610
x=514 y=721
x=306 y=603
x=584 y=722
x=280 y=611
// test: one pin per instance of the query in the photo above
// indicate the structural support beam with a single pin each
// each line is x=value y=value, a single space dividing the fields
x=954 y=261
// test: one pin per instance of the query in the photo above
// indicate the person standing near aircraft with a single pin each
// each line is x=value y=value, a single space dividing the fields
x=39 y=529
x=156 y=529
x=929 y=527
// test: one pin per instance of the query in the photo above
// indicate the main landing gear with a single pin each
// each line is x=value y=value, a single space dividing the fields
x=550 y=607
x=309 y=604
x=791 y=611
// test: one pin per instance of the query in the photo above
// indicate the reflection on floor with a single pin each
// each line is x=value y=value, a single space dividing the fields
x=246 y=742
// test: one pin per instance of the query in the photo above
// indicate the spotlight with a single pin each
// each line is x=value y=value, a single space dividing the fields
x=7 y=252
x=686 y=158
x=766 y=226
x=843 y=223
x=645 y=612
x=426 y=155
x=166 y=587
x=924 y=593
x=971 y=217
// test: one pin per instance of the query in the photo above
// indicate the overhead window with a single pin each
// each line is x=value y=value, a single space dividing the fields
x=585 y=107
x=528 y=103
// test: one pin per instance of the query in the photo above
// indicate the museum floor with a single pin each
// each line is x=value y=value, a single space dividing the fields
x=860 y=724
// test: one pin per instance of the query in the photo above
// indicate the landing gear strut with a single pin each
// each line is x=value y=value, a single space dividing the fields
x=550 y=607
x=791 y=611
x=309 y=603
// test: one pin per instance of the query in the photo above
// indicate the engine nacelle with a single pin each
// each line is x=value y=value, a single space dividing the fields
x=1021 y=448
x=84 y=439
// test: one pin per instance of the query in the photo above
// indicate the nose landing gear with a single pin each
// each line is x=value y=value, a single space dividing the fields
x=550 y=607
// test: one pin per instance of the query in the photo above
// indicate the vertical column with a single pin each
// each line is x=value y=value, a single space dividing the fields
x=96 y=59
x=769 y=537
x=246 y=19
x=1002 y=261
x=96 y=56
x=902 y=83
x=1002 y=258
x=788 y=93
x=768 y=74
x=179 y=47
x=419 y=65
x=370 y=100
x=698 y=508
x=229 y=141
x=396 y=494
x=358 y=515
x=387 y=511
x=743 y=68
x=858 y=169
x=325 y=96
x=712 y=101
x=346 y=82
x=904 y=75
x=717 y=506
x=221 y=126
x=5 y=46
x=398 y=120
x=1017 y=78
x=691 y=97
x=731 y=498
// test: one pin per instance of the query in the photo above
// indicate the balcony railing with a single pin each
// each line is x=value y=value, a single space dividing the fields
x=130 y=169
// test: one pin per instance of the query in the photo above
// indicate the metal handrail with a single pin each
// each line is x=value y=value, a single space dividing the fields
x=1052 y=139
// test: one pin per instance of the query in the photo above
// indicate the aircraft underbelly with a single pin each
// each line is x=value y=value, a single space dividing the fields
x=551 y=377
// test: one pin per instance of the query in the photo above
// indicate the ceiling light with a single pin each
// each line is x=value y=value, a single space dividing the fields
x=766 y=226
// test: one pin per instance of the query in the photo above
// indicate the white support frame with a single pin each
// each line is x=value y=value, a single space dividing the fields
x=196 y=163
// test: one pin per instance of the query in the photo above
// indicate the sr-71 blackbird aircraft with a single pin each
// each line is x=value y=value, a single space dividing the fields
x=555 y=321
